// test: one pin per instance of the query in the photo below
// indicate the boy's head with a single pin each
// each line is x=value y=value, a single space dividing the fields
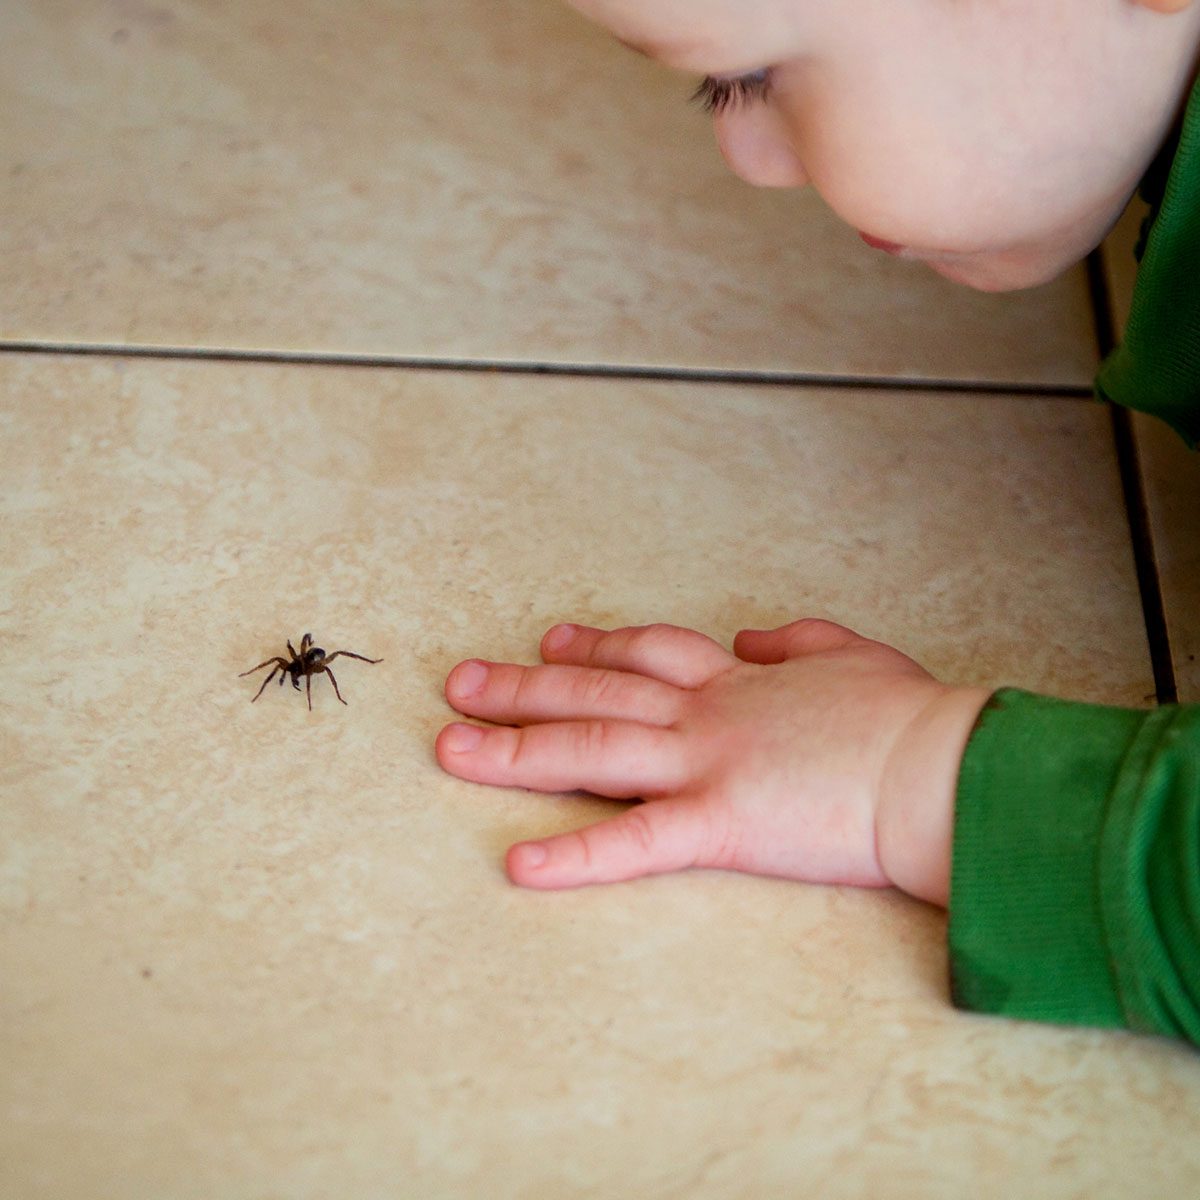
x=996 y=140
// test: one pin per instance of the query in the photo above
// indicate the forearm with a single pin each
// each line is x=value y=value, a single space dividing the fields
x=914 y=824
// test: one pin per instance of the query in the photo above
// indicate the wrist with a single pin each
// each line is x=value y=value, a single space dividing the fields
x=914 y=820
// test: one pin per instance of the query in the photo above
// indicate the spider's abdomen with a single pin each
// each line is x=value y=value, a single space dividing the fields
x=314 y=656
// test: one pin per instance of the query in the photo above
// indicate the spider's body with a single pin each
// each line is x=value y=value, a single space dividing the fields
x=310 y=661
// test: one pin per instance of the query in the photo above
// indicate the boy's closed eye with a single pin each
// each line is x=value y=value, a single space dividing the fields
x=717 y=93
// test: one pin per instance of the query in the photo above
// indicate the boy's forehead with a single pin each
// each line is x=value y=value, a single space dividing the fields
x=697 y=35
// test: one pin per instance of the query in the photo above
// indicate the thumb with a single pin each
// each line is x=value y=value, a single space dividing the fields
x=648 y=839
x=809 y=635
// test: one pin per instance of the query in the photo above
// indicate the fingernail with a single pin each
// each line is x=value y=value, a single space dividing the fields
x=461 y=738
x=559 y=637
x=469 y=677
x=534 y=854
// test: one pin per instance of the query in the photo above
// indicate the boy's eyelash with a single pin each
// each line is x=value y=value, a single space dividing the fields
x=716 y=95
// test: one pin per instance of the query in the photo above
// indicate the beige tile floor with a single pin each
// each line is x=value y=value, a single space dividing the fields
x=257 y=952
x=1170 y=475
x=449 y=179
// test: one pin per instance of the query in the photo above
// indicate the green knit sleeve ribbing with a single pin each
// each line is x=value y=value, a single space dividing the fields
x=1075 y=889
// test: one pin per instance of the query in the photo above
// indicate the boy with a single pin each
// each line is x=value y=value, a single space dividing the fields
x=996 y=141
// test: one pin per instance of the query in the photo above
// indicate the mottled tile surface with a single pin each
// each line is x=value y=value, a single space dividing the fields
x=253 y=951
x=1171 y=479
x=1171 y=476
x=441 y=179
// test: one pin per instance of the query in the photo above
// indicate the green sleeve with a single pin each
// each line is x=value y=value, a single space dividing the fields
x=1075 y=884
x=1157 y=367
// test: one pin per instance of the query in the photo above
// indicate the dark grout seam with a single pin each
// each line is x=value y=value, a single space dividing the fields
x=1137 y=513
x=578 y=370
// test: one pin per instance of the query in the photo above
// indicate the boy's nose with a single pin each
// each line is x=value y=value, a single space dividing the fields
x=755 y=143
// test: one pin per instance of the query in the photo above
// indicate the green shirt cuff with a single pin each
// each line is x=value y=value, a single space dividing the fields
x=1075 y=884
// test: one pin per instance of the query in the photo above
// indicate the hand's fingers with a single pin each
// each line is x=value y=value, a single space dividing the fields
x=810 y=635
x=621 y=759
x=513 y=695
x=668 y=653
x=664 y=835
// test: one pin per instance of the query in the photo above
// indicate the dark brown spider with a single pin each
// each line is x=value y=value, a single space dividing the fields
x=311 y=660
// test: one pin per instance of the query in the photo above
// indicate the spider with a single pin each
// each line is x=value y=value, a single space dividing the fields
x=311 y=660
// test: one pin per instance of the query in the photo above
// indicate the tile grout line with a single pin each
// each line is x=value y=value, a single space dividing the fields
x=582 y=370
x=1134 y=494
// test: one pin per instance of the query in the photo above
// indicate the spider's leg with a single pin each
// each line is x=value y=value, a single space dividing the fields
x=308 y=688
x=305 y=642
x=264 y=683
x=350 y=654
x=333 y=680
x=260 y=666
x=292 y=649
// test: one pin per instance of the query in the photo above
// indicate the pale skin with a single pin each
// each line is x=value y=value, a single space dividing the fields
x=994 y=140
x=809 y=751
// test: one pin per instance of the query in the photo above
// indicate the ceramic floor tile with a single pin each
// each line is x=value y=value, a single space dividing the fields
x=448 y=179
x=253 y=950
x=1171 y=479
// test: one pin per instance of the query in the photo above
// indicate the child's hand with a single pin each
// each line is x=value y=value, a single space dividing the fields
x=810 y=753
